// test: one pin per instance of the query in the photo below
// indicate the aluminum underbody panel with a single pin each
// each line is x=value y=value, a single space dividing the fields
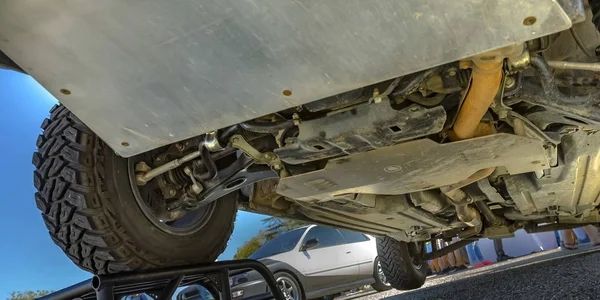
x=143 y=74
x=415 y=166
x=365 y=128
x=388 y=214
x=572 y=187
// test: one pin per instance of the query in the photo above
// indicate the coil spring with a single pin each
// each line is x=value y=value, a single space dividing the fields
x=178 y=177
x=250 y=136
x=463 y=76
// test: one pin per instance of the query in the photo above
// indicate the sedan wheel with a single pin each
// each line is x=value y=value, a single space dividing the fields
x=289 y=286
x=381 y=274
x=381 y=282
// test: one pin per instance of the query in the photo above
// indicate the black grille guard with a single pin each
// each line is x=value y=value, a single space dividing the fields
x=161 y=284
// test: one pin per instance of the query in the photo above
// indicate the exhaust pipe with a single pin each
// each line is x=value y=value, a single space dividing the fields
x=487 y=77
x=486 y=80
x=465 y=212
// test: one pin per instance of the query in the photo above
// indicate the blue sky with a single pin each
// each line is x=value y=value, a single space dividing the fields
x=30 y=260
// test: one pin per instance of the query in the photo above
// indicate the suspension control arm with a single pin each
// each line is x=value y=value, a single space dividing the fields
x=446 y=250
x=230 y=179
x=584 y=108
x=143 y=178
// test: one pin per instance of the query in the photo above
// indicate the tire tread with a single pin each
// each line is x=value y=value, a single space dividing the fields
x=74 y=204
x=396 y=265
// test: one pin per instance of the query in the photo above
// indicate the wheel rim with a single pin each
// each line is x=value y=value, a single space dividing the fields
x=188 y=224
x=415 y=251
x=381 y=275
x=289 y=288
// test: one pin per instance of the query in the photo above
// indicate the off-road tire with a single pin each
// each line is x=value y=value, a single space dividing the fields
x=398 y=266
x=379 y=285
x=88 y=206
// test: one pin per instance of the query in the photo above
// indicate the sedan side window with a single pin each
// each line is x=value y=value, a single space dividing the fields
x=281 y=244
x=327 y=237
x=353 y=237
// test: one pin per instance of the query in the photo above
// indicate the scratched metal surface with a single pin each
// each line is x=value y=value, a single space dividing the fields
x=145 y=73
x=415 y=166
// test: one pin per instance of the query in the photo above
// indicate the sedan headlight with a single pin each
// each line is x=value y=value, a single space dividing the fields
x=237 y=294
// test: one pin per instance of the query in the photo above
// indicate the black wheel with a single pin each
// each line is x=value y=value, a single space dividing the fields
x=292 y=290
x=402 y=263
x=98 y=216
x=381 y=283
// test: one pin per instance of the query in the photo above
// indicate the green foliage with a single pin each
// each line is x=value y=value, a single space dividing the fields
x=276 y=226
x=28 y=295
x=249 y=247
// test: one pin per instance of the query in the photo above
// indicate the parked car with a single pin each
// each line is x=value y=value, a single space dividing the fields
x=194 y=292
x=314 y=261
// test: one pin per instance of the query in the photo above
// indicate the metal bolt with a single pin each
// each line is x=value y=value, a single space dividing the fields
x=452 y=71
x=196 y=189
x=277 y=167
x=423 y=90
x=503 y=114
x=187 y=171
x=142 y=167
x=376 y=97
x=296 y=118
x=415 y=230
x=172 y=192
x=509 y=82
x=158 y=158
x=179 y=146
x=140 y=180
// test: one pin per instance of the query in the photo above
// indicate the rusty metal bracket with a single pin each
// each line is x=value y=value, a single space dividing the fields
x=267 y=158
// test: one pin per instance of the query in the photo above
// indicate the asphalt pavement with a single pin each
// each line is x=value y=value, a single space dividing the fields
x=554 y=274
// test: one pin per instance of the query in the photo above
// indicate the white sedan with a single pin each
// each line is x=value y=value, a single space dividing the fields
x=314 y=261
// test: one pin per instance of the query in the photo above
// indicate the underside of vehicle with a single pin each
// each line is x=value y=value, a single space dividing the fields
x=398 y=119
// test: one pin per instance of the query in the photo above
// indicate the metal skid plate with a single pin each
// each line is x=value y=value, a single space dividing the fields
x=143 y=74
x=389 y=214
x=360 y=130
x=572 y=186
x=415 y=166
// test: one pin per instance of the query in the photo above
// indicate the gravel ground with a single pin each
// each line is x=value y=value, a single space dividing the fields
x=555 y=274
